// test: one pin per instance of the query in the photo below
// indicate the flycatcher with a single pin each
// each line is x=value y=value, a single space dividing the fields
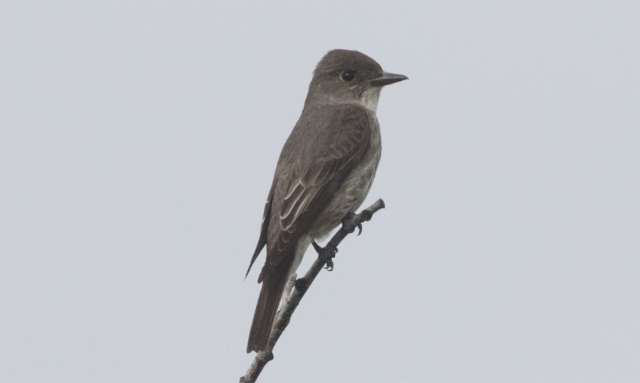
x=324 y=172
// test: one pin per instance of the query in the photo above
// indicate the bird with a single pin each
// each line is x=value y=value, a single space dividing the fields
x=323 y=174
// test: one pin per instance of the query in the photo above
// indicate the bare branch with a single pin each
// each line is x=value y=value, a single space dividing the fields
x=291 y=300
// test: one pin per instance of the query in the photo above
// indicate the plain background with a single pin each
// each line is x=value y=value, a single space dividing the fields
x=137 y=145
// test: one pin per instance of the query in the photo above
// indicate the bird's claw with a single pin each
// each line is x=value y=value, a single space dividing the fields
x=326 y=254
x=365 y=215
x=348 y=225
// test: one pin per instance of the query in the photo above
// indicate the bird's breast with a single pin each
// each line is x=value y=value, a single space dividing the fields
x=353 y=190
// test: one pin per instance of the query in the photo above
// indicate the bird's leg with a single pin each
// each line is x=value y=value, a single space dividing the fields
x=349 y=222
x=326 y=254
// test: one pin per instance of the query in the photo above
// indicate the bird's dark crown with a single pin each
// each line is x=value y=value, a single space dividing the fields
x=338 y=61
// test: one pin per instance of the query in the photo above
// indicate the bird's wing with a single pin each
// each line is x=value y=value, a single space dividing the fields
x=307 y=179
x=262 y=240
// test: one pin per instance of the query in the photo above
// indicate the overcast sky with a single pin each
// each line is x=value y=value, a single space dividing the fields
x=137 y=145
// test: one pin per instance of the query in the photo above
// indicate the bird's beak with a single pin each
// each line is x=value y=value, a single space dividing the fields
x=388 y=79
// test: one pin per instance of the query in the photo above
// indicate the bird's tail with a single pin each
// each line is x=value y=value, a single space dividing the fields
x=268 y=302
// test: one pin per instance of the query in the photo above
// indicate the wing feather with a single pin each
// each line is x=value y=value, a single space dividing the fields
x=308 y=178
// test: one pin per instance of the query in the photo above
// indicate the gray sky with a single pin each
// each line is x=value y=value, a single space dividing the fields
x=137 y=146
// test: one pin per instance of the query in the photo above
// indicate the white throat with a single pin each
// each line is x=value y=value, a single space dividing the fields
x=370 y=98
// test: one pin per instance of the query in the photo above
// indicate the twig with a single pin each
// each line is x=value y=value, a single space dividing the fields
x=301 y=286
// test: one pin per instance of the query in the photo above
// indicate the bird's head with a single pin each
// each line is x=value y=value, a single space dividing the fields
x=344 y=76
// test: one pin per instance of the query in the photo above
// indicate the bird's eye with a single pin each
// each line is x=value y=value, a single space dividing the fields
x=347 y=76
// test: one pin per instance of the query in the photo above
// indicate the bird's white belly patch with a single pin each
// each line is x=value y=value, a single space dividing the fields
x=348 y=198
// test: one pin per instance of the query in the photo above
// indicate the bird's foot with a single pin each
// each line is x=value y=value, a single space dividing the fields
x=350 y=222
x=365 y=215
x=326 y=254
